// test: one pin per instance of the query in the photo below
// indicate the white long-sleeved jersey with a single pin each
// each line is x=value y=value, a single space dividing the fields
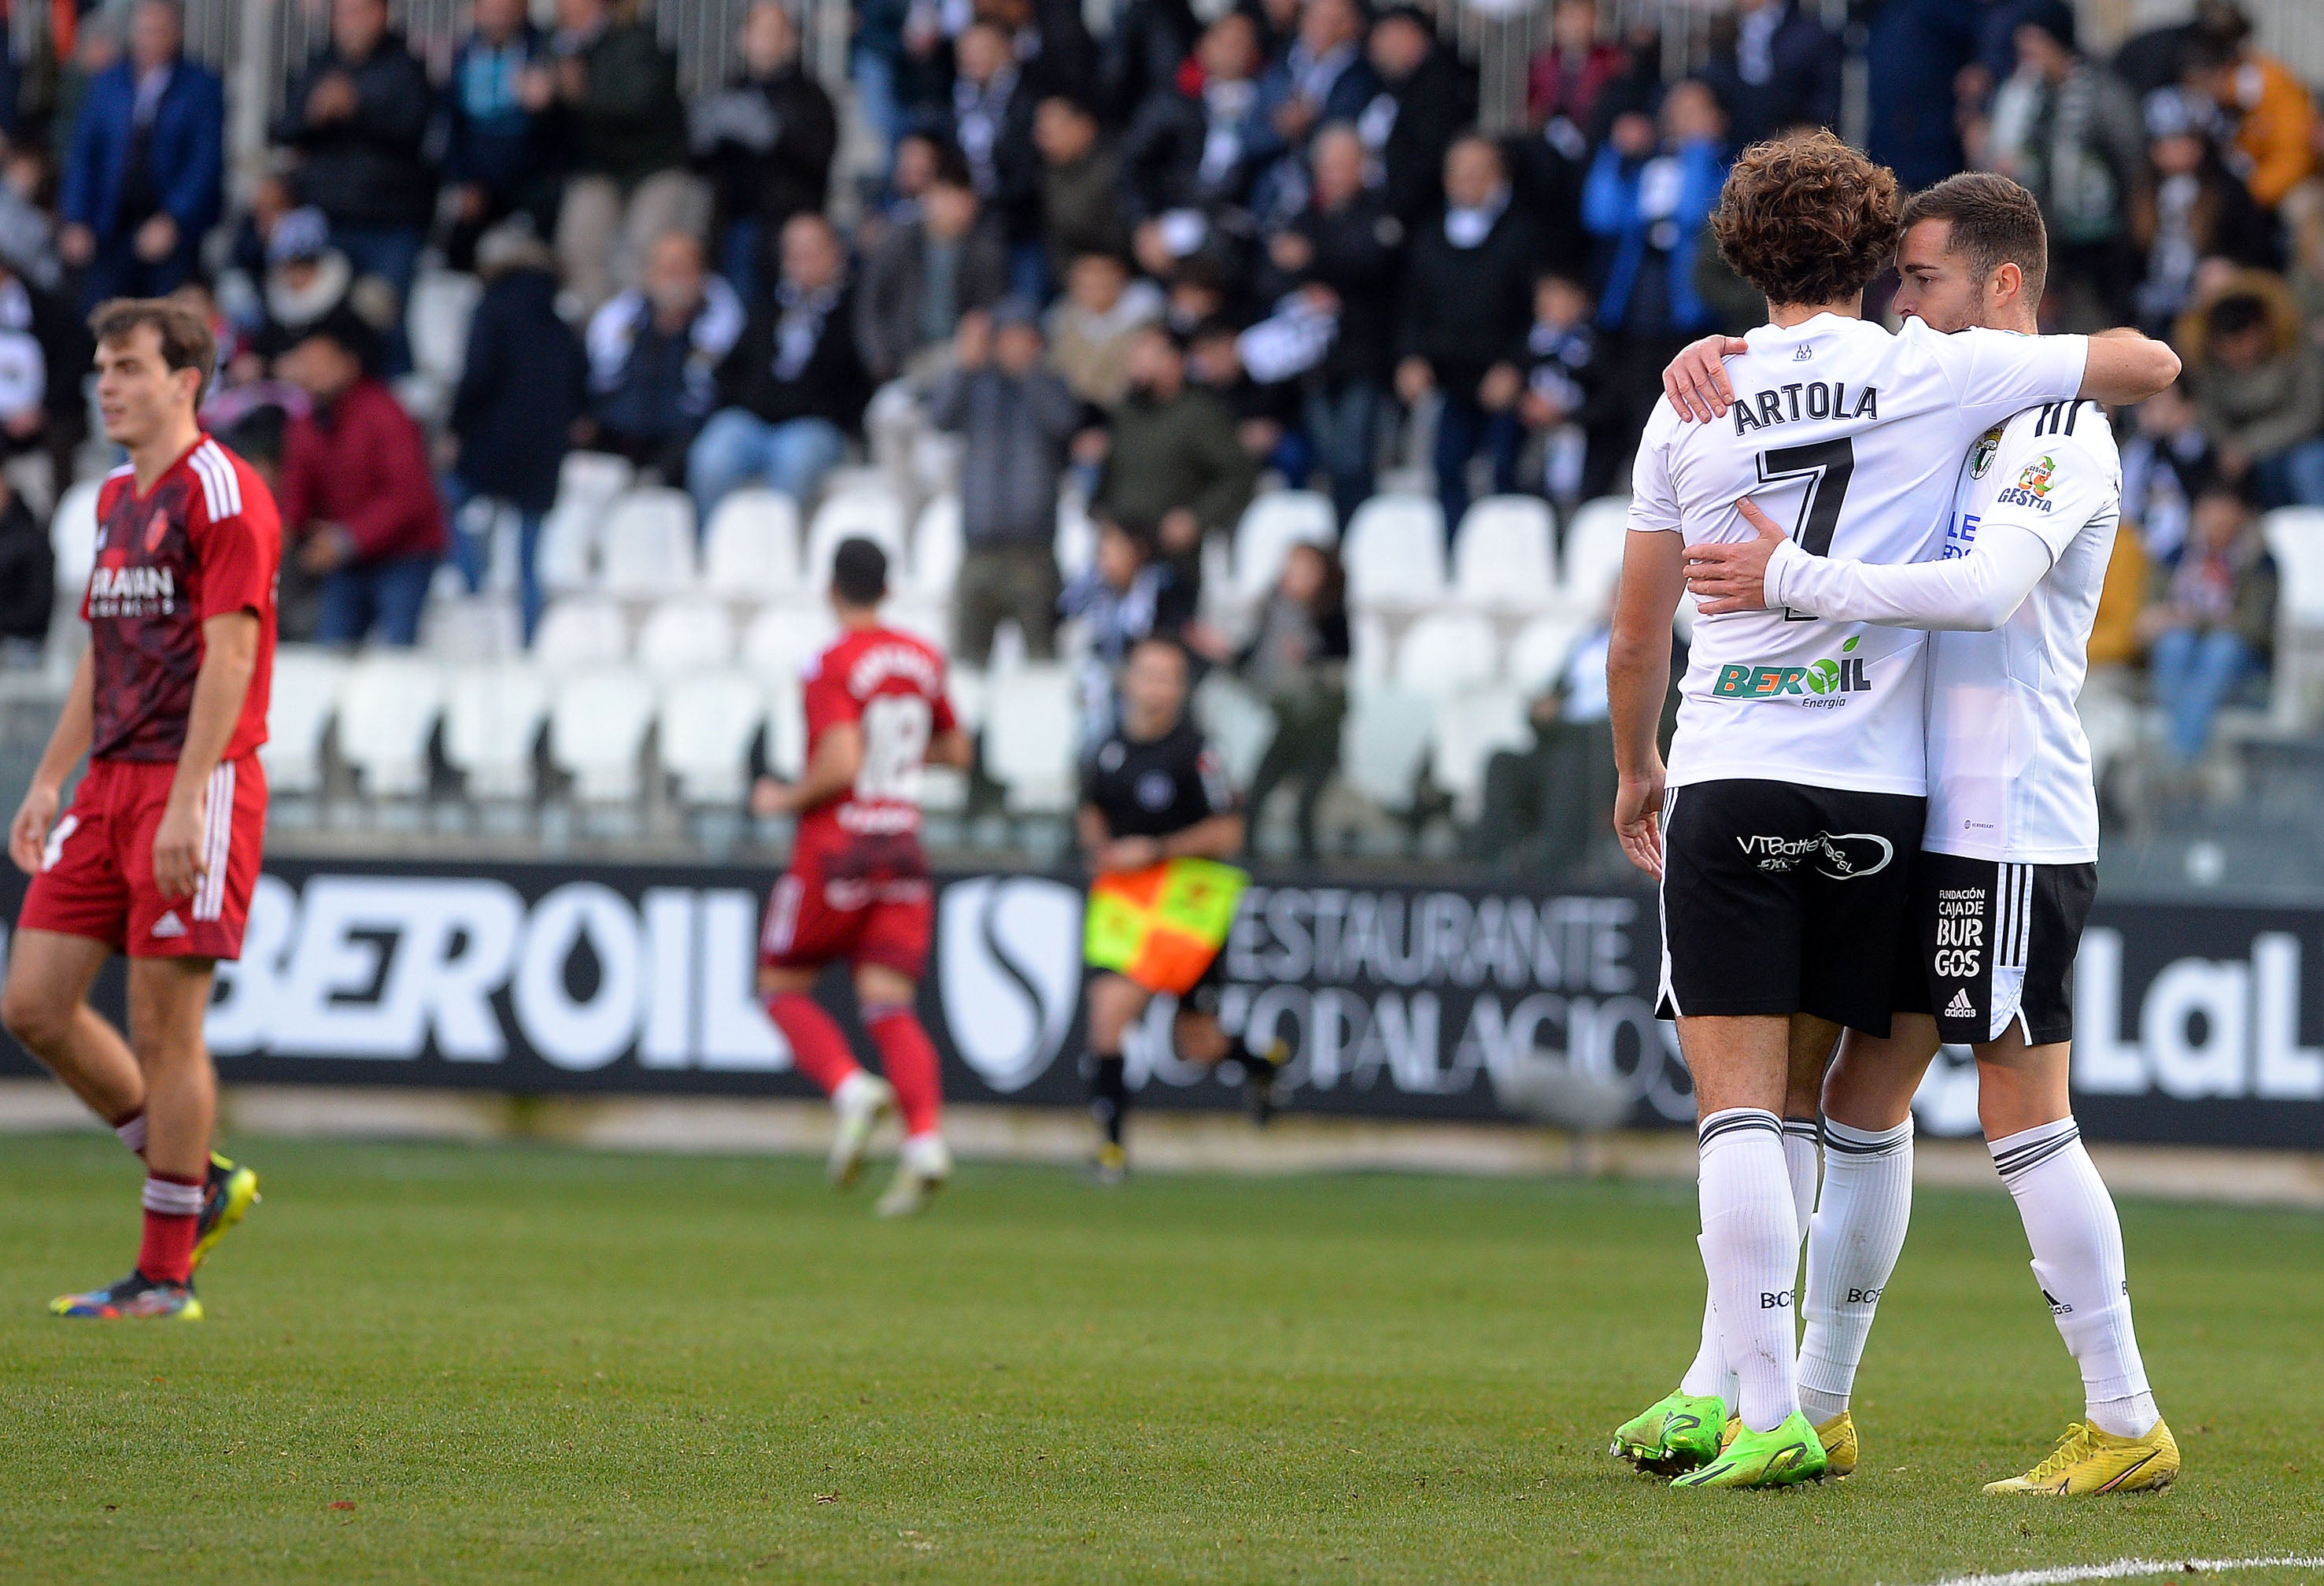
x=2024 y=556
x=1853 y=437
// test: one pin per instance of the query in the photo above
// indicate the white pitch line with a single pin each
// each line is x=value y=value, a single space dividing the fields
x=2124 y=1568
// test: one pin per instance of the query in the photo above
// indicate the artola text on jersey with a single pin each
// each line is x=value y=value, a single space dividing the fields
x=1808 y=399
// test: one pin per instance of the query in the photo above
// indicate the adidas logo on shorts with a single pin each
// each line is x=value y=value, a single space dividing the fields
x=169 y=924
x=1961 y=1006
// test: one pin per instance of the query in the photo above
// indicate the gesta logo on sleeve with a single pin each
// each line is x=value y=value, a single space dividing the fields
x=2033 y=486
x=1822 y=682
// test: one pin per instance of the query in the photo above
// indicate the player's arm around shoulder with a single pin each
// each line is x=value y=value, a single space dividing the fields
x=2126 y=366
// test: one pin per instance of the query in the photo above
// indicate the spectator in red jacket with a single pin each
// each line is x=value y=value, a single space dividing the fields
x=359 y=505
x=1565 y=81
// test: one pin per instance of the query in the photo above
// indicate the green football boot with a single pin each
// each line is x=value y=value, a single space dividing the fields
x=1678 y=1434
x=1792 y=1452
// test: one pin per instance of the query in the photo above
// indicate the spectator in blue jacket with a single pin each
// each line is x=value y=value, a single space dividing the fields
x=1646 y=202
x=142 y=180
x=500 y=86
x=1324 y=76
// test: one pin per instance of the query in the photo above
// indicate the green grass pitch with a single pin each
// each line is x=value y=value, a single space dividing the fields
x=444 y=1363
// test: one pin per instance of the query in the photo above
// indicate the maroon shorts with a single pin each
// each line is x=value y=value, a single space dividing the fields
x=97 y=877
x=815 y=918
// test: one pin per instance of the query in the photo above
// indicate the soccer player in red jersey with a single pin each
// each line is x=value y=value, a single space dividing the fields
x=158 y=854
x=858 y=886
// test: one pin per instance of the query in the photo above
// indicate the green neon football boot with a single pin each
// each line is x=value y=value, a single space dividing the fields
x=1791 y=1453
x=1678 y=1434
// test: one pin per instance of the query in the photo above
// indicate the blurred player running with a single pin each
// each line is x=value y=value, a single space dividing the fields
x=2009 y=864
x=858 y=888
x=1797 y=782
x=1155 y=791
x=158 y=854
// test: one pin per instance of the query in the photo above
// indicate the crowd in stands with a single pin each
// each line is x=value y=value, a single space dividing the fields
x=1154 y=270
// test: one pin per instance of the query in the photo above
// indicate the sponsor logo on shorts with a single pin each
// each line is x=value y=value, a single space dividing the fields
x=1960 y=940
x=1824 y=682
x=169 y=924
x=1961 y=1006
x=1842 y=857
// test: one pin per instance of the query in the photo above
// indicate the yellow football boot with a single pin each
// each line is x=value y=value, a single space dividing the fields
x=2087 y=1461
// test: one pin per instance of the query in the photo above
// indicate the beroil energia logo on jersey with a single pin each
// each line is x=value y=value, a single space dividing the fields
x=1821 y=681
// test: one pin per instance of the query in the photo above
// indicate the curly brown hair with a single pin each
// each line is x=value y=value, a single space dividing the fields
x=1807 y=219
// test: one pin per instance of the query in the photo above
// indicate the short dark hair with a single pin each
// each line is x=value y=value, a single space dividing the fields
x=185 y=335
x=1994 y=221
x=1806 y=219
x=858 y=572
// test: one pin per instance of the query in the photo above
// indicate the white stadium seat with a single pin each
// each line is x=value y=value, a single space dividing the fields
x=750 y=548
x=586 y=485
x=72 y=535
x=1237 y=722
x=967 y=688
x=1384 y=742
x=1445 y=654
x=707 y=723
x=493 y=715
x=1371 y=654
x=683 y=637
x=1029 y=727
x=865 y=513
x=1076 y=538
x=598 y=718
x=647 y=542
x=1538 y=654
x=2295 y=536
x=436 y=319
x=1275 y=521
x=1469 y=729
x=580 y=630
x=388 y=708
x=782 y=639
x=937 y=550
x=1503 y=557
x=595 y=477
x=1395 y=552
x=1593 y=553
x=305 y=696
x=786 y=727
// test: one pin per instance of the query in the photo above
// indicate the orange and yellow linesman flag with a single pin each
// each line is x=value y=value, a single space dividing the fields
x=1161 y=926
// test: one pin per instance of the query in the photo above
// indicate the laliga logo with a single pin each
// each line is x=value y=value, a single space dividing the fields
x=1008 y=962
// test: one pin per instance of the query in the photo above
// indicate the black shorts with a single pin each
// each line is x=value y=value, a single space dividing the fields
x=1995 y=947
x=1778 y=899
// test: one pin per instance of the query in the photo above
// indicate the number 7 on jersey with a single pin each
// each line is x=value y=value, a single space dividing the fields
x=1827 y=465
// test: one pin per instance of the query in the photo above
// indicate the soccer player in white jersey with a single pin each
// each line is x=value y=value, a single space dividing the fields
x=1795 y=791
x=2008 y=863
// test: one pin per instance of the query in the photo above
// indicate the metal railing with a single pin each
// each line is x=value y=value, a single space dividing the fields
x=256 y=44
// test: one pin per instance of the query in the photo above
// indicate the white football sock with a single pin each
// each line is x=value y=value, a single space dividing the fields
x=1709 y=1373
x=1751 y=1251
x=1852 y=1247
x=2077 y=1242
x=1801 y=1138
